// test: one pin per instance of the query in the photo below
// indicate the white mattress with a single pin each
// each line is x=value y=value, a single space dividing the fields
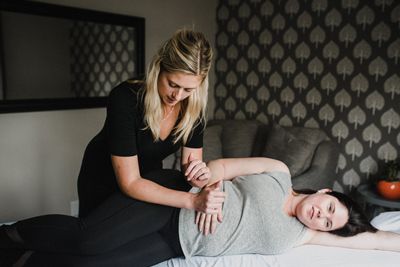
x=308 y=255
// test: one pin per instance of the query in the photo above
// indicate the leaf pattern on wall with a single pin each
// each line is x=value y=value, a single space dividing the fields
x=374 y=102
x=351 y=179
x=372 y=135
x=323 y=64
x=368 y=166
x=392 y=86
x=359 y=84
x=287 y=96
x=313 y=97
x=95 y=69
x=342 y=99
x=331 y=51
x=357 y=117
x=390 y=119
x=340 y=131
x=354 y=148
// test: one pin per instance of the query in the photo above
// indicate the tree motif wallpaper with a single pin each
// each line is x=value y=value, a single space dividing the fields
x=333 y=65
x=102 y=55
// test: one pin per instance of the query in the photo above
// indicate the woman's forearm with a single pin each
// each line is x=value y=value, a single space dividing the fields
x=208 y=200
x=149 y=191
x=387 y=241
x=217 y=170
x=229 y=168
x=133 y=185
x=380 y=240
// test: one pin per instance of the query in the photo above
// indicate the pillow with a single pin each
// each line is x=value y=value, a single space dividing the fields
x=311 y=135
x=238 y=138
x=387 y=221
x=296 y=151
x=212 y=147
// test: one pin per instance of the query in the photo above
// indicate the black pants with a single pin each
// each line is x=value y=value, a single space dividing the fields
x=120 y=232
x=143 y=252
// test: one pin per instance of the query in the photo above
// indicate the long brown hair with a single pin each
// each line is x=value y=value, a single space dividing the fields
x=357 y=222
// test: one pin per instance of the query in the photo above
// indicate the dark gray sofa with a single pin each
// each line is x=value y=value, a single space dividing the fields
x=309 y=154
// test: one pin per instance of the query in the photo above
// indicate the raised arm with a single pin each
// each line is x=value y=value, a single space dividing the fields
x=379 y=240
x=227 y=169
x=195 y=170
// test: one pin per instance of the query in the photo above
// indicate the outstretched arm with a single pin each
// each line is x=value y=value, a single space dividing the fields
x=227 y=169
x=380 y=240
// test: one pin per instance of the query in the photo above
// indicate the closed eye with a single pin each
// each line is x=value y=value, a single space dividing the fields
x=331 y=208
x=176 y=86
x=173 y=85
x=328 y=224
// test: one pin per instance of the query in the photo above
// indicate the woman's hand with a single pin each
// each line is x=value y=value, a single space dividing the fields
x=209 y=199
x=197 y=172
x=207 y=223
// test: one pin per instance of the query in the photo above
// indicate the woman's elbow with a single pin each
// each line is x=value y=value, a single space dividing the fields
x=281 y=166
x=126 y=185
x=217 y=169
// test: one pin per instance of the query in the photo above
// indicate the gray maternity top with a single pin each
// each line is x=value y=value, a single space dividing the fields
x=253 y=220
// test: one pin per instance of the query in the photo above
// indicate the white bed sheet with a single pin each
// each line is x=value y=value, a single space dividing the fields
x=308 y=255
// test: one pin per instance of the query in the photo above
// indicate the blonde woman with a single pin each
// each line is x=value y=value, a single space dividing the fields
x=147 y=121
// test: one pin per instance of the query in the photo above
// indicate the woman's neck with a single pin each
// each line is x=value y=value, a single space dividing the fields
x=292 y=200
x=169 y=111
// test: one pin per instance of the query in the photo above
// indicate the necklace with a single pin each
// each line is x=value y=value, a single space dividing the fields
x=169 y=113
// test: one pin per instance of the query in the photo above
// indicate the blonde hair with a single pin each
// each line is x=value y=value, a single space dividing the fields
x=188 y=52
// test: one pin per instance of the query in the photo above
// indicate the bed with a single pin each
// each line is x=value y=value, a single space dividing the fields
x=308 y=255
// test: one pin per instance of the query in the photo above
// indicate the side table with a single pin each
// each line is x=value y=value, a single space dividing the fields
x=373 y=203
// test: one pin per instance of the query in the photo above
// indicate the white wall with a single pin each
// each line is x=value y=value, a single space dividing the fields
x=40 y=155
x=40 y=152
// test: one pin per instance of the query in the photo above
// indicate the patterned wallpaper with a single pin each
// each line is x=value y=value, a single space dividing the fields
x=102 y=56
x=333 y=65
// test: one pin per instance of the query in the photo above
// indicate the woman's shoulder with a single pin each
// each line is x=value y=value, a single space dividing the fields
x=280 y=178
x=129 y=90
x=128 y=87
x=135 y=84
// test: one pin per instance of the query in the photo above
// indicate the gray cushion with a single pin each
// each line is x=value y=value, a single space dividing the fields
x=212 y=148
x=294 y=146
x=310 y=135
x=238 y=138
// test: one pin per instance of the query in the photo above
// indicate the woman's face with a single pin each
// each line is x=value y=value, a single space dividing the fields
x=322 y=212
x=174 y=87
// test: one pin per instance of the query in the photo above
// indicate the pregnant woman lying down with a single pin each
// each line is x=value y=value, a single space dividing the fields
x=261 y=214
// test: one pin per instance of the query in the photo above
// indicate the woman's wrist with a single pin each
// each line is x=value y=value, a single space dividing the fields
x=190 y=203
